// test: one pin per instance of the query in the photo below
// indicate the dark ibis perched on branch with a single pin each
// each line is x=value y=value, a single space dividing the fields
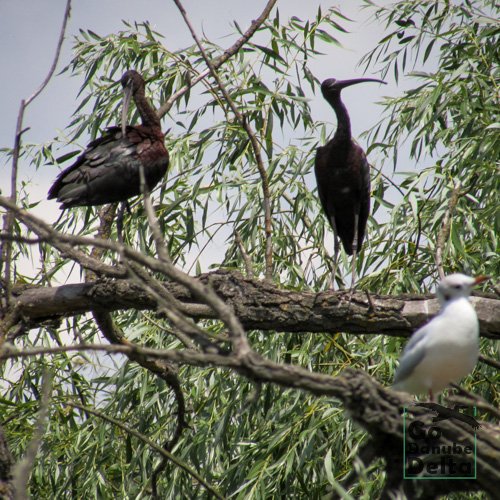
x=343 y=178
x=108 y=170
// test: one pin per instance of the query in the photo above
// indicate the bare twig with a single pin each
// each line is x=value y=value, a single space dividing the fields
x=490 y=362
x=253 y=140
x=22 y=470
x=67 y=12
x=65 y=243
x=246 y=258
x=219 y=61
x=445 y=228
x=6 y=251
x=20 y=239
x=176 y=460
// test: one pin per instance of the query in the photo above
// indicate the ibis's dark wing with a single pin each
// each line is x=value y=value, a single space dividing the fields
x=343 y=181
x=321 y=158
x=108 y=170
x=340 y=215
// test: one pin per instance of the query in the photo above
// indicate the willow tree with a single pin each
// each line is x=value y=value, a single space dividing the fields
x=159 y=380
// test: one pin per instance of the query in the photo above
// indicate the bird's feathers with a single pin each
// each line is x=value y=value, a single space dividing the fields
x=445 y=349
x=410 y=360
x=344 y=189
x=108 y=170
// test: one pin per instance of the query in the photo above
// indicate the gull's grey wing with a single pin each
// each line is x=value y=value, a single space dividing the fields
x=412 y=355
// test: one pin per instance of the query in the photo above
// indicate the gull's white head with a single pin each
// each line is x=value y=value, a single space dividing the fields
x=456 y=286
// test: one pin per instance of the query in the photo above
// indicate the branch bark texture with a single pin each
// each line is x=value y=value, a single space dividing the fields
x=259 y=305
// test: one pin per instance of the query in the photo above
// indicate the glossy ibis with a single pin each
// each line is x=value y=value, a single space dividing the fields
x=108 y=170
x=343 y=178
x=447 y=348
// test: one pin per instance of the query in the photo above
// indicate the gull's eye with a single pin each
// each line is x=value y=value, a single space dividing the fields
x=457 y=287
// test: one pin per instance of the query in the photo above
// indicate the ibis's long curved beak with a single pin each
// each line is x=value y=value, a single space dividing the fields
x=127 y=95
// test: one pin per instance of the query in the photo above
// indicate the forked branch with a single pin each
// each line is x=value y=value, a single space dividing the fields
x=219 y=61
x=253 y=141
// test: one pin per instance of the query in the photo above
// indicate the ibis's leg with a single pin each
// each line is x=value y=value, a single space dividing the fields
x=336 y=249
x=431 y=396
x=119 y=220
x=124 y=205
x=354 y=255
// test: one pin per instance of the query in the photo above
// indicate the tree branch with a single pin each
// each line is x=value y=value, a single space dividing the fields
x=244 y=123
x=376 y=409
x=219 y=61
x=6 y=250
x=258 y=305
x=65 y=244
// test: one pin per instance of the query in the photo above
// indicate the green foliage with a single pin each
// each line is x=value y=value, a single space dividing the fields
x=449 y=124
x=248 y=441
x=213 y=187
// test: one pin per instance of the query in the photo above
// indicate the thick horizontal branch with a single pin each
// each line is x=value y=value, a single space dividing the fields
x=258 y=305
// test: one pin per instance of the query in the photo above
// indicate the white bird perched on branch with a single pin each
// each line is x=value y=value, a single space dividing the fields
x=447 y=348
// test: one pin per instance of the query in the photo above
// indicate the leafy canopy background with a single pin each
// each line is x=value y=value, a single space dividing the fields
x=280 y=442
